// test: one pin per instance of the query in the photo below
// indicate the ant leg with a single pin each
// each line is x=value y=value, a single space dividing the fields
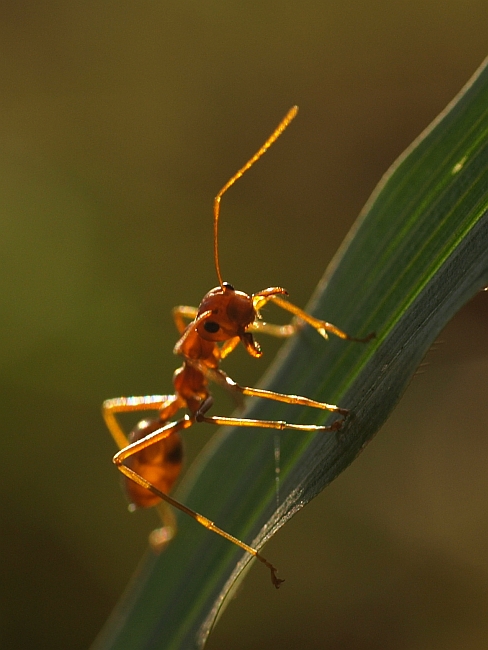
x=160 y=537
x=220 y=377
x=279 y=331
x=180 y=313
x=267 y=424
x=322 y=326
x=206 y=523
x=152 y=438
x=229 y=346
x=128 y=405
x=264 y=424
x=290 y=399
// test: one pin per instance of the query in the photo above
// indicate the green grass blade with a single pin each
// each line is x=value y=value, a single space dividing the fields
x=417 y=254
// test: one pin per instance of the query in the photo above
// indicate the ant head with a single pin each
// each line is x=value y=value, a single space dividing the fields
x=231 y=312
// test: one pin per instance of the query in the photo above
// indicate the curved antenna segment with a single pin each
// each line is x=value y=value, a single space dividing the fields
x=274 y=136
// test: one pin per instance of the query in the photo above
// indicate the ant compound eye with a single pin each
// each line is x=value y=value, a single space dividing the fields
x=211 y=326
x=226 y=285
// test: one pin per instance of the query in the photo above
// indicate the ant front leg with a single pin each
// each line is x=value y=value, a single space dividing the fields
x=323 y=327
x=278 y=331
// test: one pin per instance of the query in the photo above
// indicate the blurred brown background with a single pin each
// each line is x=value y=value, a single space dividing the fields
x=118 y=124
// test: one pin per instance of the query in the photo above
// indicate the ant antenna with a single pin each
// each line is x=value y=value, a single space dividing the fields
x=274 y=136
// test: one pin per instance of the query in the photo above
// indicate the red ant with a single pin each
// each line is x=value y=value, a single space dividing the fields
x=151 y=456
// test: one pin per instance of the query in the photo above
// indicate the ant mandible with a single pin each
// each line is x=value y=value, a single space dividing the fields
x=151 y=456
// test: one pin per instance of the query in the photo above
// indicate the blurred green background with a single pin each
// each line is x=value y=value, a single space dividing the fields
x=118 y=124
